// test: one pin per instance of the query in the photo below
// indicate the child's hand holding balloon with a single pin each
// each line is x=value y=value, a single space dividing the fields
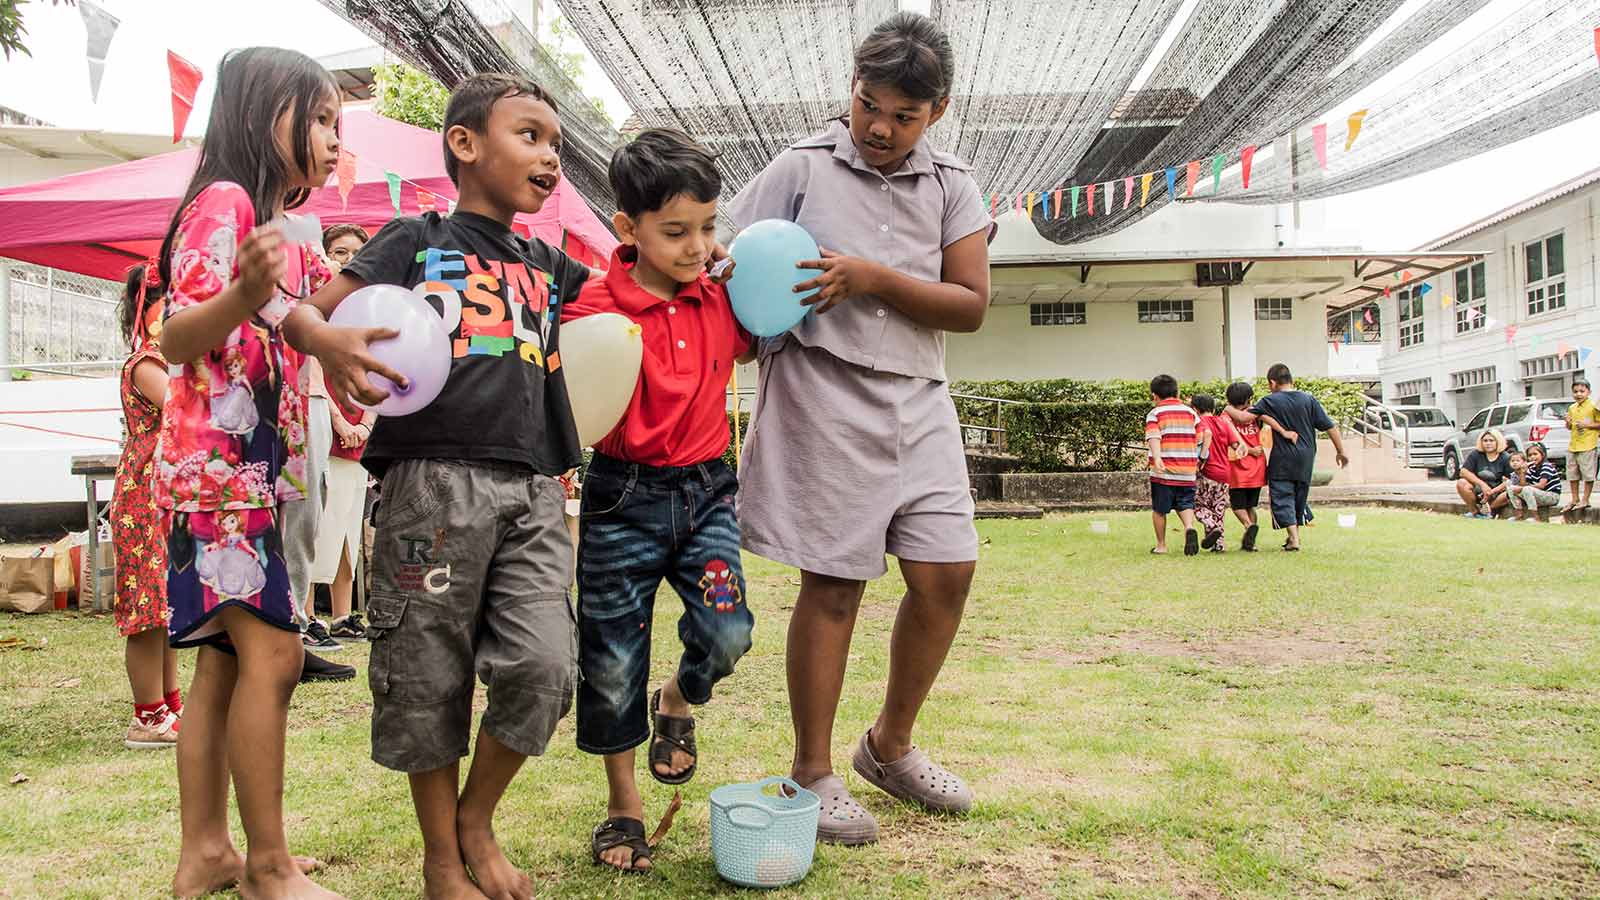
x=842 y=277
x=346 y=358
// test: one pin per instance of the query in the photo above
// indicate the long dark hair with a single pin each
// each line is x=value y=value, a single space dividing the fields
x=911 y=52
x=139 y=290
x=254 y=87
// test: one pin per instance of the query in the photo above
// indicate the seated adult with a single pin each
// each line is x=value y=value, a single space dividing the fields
x=1485 y=476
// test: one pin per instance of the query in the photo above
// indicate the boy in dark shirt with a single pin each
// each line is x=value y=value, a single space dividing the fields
x=472 y=558
x=1298 y=416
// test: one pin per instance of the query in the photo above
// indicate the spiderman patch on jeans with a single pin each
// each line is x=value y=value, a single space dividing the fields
x=721 y=588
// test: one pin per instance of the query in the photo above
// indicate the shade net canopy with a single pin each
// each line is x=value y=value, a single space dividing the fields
x=452 y=39
x=1052 y=94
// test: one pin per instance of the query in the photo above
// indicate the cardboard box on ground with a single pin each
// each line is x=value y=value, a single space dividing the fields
x=60 y=572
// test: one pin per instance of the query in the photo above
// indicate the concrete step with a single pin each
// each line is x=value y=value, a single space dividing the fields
x=994 y=509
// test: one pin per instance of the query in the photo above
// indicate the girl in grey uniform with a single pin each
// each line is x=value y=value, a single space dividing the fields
x=854 y=448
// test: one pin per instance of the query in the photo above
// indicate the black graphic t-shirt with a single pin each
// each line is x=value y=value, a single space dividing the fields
x=499 y=296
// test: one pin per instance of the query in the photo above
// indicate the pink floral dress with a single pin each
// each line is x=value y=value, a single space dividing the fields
x=233 y=431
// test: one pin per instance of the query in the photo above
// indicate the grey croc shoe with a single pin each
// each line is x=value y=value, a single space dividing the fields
x=841 y=820
x=913 y=778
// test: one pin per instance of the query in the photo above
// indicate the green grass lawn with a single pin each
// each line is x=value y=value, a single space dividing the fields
x=1410 y=708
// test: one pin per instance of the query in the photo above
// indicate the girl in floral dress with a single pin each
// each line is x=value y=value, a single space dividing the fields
x=140 y=608
x=231 y=457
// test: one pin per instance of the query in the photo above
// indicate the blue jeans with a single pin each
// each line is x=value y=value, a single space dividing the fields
x=639 y=524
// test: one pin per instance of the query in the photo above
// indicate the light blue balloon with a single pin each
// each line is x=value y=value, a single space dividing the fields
x=764 y=276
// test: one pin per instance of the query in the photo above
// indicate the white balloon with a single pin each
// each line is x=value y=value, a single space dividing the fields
x=600 y=357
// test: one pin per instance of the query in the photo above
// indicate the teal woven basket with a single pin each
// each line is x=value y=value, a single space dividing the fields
x=761 y=839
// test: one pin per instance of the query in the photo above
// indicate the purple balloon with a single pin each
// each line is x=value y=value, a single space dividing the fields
x=421 y=353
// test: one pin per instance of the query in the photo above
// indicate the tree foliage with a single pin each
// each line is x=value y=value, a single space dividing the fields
x=13 y=33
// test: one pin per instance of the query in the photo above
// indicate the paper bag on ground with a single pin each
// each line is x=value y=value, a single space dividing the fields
x=27 y=584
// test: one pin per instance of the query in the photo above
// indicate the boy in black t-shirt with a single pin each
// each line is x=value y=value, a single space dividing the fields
x=472 y=558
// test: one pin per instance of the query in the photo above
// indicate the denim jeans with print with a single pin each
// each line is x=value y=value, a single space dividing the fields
x=640 y=524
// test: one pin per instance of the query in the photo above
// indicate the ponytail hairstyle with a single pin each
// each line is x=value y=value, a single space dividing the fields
x=141 y=289
x=910 y=52
x=255 y=87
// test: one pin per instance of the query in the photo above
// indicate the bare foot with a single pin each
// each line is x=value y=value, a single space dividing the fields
x=449 y=883
x=209 y=873
x=497 y=878
x=673 y=704
x=282 y=884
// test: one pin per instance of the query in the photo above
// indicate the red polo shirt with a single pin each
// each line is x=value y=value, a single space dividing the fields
x=678 y=415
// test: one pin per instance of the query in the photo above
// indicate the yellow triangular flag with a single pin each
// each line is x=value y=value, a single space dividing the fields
x=1031 y=195
x=1446 y=300
x=1354 y=129
x=1144 y=188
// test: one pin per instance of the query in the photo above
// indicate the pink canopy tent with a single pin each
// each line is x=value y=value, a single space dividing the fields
x=100 y=222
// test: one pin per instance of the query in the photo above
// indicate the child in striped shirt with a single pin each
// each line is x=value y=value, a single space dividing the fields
x=1177 y=445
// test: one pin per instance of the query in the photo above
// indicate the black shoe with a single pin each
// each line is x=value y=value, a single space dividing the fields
x=348 y=628
x=315 y=636
x=1248 y=545
x=316 y=668
x=1191 y=543
x=1211 y=539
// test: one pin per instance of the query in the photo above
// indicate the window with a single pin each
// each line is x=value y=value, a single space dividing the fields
x=1410 y=317
x=1416 y=387
x=1057 y=314
x=1425 y=418
x=1555 y=410
x=1498 y=417
x=1274 y=309
x=1546 y=271
x=1471 y=378
x=1166 y=311
x=1218 y=274
x=1477 y=421
x=1518 y=413
x=1472 y=305
x=1544 y=366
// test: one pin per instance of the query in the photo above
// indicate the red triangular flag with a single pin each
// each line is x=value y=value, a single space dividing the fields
x=185 y=82
x=1597 y=45
x=1319 y=143
x=1511 y=333
x=346 y=172
x=1091 y=199
x=1190 y=176
x=1246 y=154
x=425 y=201
x=1057 y=193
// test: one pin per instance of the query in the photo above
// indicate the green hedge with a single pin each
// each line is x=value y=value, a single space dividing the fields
x=1066 y=425
x=744 y=429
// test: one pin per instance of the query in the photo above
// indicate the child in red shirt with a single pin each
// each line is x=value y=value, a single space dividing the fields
x=1247 y=469
x=658 y=502
x=1211 y=490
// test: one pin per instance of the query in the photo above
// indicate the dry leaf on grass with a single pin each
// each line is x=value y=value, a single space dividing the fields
x=68 y=683
x=18 y=778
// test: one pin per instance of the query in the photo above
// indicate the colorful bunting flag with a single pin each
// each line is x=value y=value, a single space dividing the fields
x=1534 y=346
x=1489 y=322
x=99 y=27
x=1597 y=45
x=426 y=202
x=1319 y=143
x=1057 y=192
x=1386 y=290
x=1031 y=195
x=1191 y=174
x=1335 y=343
x=1563 y=348
x=1127 y=192
x=1583 y=355
x=1216 y=174
x=1172 y=183
x=1424 y=289
x=1144 y=188
x=1017 y=206
x=1477 y=313
x=1511 y=333
x=345 y=170
x=1247 y=154
x=185 y=79
x=1353 y=128
x=1357 y=325
x=1091 y=198
x=1366 y=314
x=1075 y=191
x=394 y=189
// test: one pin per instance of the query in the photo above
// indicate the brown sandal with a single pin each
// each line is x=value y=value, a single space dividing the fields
x=670 y=733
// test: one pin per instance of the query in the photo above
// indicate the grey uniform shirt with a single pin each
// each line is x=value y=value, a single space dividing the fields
x=903 y=221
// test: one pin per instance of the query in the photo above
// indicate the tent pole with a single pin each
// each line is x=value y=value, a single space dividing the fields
x=5 y=320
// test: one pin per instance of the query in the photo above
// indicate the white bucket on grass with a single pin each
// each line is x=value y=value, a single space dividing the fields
x=1100 y=526
x=1347 y=520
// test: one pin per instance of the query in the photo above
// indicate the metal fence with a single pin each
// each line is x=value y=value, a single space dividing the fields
x=61 y=318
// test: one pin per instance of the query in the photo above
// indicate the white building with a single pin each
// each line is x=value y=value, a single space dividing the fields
x=1515 y=324
x=1199 y=290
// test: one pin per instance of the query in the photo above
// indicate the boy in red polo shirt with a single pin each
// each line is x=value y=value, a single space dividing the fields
x=658 y=502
